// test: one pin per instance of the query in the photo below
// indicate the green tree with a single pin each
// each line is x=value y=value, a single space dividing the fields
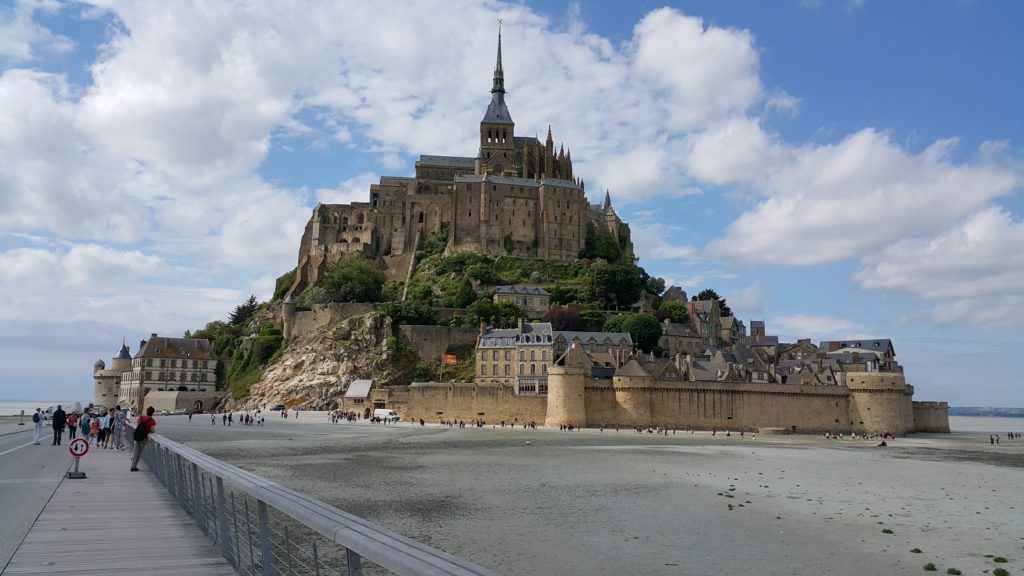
x=243 y=312
x=353 y=278
x=283 y=284
x=458 y=293
x=610 y=285
x=709 y=294
x=593 y=320
x=674 y=311
x=409 y=312
x=608 y=248
x=644 y=329
x=501 y=314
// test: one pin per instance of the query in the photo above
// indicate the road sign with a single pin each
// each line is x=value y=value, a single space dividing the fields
x=79 y=447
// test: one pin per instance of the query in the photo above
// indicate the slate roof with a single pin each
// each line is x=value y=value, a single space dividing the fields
x=633 y=368
x=448 y=161
x=882 y=345
x=674 y=329
x=162 y=347
x=497 y=111
x=622 y=338
x=525 y=290
x=359 y=389
x=123 y=353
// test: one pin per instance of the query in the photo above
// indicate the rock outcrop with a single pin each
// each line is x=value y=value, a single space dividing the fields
x=315 y=369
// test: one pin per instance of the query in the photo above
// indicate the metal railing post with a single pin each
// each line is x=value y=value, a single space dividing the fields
x=266 y=539
x=179 y=471
x=198 y=509
x=222 y=521
x=353 y=562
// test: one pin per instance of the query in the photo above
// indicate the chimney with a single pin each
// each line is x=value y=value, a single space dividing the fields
x=142 y=344
x=520 y=325
x=483 y=327
x=153 y=335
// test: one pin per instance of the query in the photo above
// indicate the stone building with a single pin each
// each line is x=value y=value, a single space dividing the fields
x=520 y=357
x=107 y=383
x=680 y=339
x=517 y=195
x=175 y=373
x=535 y=302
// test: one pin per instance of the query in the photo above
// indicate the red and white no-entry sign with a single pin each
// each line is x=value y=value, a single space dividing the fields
x=79 y=447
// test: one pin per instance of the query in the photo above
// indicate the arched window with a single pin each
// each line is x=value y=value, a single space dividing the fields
x=543 y=368
x=522 y=369
x=533 y=368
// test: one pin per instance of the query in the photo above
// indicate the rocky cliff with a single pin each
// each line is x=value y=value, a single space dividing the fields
x=316 y=368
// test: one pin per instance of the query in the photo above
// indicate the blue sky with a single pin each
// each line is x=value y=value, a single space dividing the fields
x=837 y=168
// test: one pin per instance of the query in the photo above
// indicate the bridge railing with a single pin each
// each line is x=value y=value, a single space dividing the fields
x=263 y=528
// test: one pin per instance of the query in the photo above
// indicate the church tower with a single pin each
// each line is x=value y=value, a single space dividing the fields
x=497 y=131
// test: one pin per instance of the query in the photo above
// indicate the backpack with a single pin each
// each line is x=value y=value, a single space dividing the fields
x=35 y=417
x=142 y=430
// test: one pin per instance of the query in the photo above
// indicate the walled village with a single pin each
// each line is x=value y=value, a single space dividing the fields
x=490 y=288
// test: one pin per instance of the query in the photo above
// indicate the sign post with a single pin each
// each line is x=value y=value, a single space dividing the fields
x=79 y=447
x=21 y=421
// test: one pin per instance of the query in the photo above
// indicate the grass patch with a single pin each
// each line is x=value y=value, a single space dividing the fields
x=1000 y=560
x=930 y=567
x=886 y=531
x=1000 y=572
x=954 y=571
x=916 y=550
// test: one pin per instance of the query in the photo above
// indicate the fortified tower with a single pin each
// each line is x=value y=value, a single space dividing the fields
x=107 y=383
x=880 y=402
x=566 y=384
x=632 y=385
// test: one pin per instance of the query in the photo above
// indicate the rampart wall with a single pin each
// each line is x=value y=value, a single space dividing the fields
x=931 y=417
x=433 y=401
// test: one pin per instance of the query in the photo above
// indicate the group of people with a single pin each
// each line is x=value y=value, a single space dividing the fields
x=245 y=419
x=106 y=428
x=102 y=427
x=994 y=438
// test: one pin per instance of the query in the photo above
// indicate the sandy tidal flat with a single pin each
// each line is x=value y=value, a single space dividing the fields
x=621 y=503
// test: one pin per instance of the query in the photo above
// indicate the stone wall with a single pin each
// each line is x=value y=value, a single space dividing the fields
x=880 y=402
x=931 y=417
x=430 y=342
x=433 y=401
x=309 y=321
x=182 y=400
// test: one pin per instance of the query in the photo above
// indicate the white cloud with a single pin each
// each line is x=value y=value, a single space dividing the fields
x=746 y=301
x=355 y=189
x=790 y=328
x=782 y=103
x=851 y=199
x=20 y=35
x=391 y=161
x=653 y=241
x=976 y=269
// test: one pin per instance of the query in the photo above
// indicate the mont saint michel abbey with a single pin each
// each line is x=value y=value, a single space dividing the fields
x=517 y=196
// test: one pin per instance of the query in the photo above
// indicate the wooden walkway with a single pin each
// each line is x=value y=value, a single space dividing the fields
x=115 y=521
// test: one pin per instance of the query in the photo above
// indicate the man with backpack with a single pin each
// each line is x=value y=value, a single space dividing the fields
x=143 y=428
x=60 y=420
x=37 y=421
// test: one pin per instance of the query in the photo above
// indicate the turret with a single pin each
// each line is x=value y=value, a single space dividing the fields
x=567 y=379
x=287 y=316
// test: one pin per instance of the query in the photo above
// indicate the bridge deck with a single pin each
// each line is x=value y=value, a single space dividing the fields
x=115 y=520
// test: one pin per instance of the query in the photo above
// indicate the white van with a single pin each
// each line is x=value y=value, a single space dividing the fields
x=385 y=414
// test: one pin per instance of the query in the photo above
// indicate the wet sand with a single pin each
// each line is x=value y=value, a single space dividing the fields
x=621 y=503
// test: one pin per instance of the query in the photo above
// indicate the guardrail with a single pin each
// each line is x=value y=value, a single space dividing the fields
x=263 y=528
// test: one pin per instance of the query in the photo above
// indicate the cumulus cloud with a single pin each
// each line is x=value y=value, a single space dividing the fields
x=20 y=35
x=827 y=203
x=653 y=241
x=355 y=189
x=976 y=269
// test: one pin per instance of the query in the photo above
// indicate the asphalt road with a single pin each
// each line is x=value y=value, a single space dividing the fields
x=29 y=474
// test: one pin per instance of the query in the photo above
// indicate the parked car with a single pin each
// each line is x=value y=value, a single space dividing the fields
x=277 y=408
x=386 y=415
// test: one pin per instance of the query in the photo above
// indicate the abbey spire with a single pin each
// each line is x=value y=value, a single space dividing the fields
x=497 y=112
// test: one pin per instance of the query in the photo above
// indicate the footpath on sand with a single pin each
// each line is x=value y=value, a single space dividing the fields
x=115 y=520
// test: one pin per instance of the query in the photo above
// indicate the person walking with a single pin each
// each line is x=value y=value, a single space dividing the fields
x=37 y=421
x=107 y=430
x=94 y=431
x=83 y=424
x=145 y=426
x=72 y=425
x=119 y=425
x=60 y=420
